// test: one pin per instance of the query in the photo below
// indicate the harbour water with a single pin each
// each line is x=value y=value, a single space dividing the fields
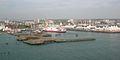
x=105 y=47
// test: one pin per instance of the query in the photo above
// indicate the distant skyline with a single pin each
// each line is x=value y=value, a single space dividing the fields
x=59 y=9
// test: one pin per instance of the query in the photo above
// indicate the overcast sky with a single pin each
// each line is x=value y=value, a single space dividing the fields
x=27 y=9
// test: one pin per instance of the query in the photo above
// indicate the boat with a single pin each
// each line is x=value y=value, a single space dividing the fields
x=38 y=31
x=55 y=29
x=51 y=27
x=108 y=28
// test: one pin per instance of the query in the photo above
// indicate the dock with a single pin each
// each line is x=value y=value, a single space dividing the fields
x=39 y=40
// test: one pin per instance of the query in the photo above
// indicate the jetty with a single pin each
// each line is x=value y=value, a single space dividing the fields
x=40 y=40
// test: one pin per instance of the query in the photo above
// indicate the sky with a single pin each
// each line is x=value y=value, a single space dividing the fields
x=59 y=9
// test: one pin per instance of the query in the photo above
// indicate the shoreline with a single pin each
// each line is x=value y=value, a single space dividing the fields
x=82 y=30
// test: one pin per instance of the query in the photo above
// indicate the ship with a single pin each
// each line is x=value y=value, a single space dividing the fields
x=55 y=29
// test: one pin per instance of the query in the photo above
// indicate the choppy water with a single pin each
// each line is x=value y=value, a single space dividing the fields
x=106 y=47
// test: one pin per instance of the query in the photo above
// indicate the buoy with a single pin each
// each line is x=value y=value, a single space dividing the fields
x=76 y=35
x=6 y=43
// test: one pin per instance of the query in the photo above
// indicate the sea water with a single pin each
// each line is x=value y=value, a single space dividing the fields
x=105 y=47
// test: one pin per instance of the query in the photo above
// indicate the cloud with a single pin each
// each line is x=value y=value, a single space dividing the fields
x=59 y=8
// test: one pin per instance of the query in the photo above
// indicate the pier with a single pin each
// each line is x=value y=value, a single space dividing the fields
x=39 y=40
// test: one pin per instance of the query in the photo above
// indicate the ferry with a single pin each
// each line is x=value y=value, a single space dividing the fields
x=54 y=29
